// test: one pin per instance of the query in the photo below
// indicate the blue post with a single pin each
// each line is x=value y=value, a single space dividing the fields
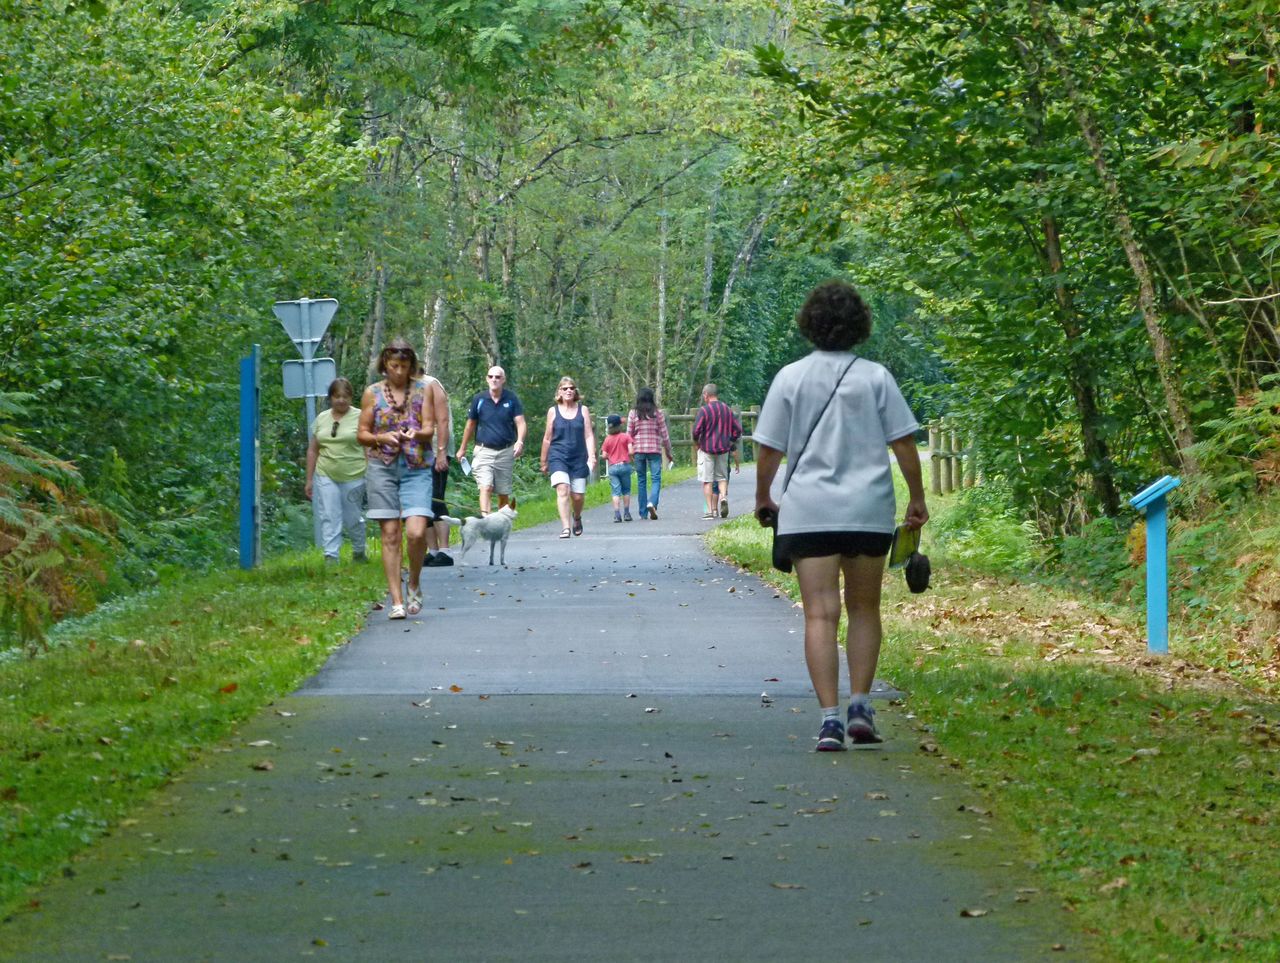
x=1151 y=501
x=250 y=463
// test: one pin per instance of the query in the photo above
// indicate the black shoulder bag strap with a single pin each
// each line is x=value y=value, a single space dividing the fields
x=791 y=465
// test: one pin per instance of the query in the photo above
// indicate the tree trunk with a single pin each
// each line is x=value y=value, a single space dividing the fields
x=376 y=324
x=740 y=267
x=435 y=312
x=1161 y=348
x=1080 y=376
x=660 y=364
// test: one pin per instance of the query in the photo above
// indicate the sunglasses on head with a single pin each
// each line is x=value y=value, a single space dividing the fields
x=400 y=355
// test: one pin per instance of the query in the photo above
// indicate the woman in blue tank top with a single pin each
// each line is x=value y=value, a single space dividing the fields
x=568 y=453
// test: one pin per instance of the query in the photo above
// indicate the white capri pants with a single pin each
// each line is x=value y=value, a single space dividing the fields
x=339 y=509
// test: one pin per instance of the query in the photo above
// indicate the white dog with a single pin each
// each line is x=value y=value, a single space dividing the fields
x=494 y=528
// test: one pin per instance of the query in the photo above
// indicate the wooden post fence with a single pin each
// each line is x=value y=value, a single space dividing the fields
x=952 y=464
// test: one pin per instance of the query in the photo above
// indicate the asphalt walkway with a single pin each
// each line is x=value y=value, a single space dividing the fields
x=603 y=751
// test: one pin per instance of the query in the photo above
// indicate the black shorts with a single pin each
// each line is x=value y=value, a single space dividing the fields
x=438 y=481
x=821 y=544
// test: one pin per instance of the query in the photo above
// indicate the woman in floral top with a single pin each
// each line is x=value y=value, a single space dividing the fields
x=397 y=420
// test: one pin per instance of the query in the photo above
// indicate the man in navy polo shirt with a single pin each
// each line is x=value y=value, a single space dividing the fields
x=496 y=420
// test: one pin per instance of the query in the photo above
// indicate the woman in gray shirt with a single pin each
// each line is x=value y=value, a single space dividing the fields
x=834 y=415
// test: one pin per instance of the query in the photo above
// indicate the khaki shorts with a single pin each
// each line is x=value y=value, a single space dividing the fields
x=494 y=468
x=713 y=468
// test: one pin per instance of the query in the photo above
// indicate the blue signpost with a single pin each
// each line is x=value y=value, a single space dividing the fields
x=1151 y=501
x=250 y=462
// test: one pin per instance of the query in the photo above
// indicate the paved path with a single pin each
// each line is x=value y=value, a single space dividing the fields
x=566 y=759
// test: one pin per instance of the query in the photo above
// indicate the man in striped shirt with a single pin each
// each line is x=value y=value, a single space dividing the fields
x=716 y=431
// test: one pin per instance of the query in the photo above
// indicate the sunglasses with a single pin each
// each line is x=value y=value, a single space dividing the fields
x=494 y=377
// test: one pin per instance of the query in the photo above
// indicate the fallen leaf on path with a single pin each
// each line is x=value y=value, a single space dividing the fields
x=786 y=886
x=259 y=743
x=974 y=913
x=455 y=688
x=266 y=765
x=230 y=687
x=877 y=795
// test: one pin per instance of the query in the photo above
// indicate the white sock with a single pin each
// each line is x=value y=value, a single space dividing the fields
x=832 y=713
x=860 y=699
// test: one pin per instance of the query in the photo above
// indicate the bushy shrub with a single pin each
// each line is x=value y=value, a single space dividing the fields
x=1101 y=557
x=52 y=537
x=983 y=528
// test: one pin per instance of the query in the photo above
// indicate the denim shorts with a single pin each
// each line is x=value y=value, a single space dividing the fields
x=397 y=491
x=620 y=479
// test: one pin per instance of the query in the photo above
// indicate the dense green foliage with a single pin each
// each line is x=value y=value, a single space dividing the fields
x=1084 y=198
x=1064 y=217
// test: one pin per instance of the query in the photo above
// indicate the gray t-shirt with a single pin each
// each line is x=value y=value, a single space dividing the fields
x=843 y=481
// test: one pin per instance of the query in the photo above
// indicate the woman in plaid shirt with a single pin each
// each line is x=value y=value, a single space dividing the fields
x=648 y=426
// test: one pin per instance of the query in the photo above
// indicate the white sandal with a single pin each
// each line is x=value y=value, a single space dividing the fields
x=397 y=612
x=415 y=603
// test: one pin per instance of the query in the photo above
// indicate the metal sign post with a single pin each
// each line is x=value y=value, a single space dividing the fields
x=250 y=462
x=305 y=321
x=1151 y=501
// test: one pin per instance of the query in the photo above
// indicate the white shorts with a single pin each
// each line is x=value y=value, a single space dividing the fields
x=576 y=485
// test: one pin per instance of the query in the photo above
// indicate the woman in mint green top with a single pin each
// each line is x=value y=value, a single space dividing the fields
x=335 y=474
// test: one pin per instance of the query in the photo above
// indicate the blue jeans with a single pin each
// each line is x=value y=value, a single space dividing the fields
x=620 y=479
x=648 y=470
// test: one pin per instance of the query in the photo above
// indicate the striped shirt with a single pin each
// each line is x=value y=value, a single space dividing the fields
x=650 y=434
x=716 y=428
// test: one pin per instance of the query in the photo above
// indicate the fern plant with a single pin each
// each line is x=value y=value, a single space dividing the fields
x=52 y=537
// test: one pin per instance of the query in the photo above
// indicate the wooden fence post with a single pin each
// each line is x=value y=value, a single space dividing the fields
x=935 y=470
x=958 y=457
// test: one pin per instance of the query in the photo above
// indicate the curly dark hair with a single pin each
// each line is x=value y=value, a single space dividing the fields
x=834 y=317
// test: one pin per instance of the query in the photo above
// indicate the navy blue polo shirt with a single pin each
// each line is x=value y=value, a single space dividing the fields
x=495 y=421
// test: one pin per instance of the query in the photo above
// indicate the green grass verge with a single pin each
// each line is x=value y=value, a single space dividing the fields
x=1143 y=790
x=126 y=698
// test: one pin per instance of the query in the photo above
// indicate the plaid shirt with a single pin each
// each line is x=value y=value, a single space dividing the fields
x=650 y=433
x=716 y=428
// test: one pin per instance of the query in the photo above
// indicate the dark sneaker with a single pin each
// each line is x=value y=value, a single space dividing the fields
x=442 y=559
x=724 y=508
x=862 y=725
x=653 y=513
x=617 y=516
x=831 y=736
x=626 y=515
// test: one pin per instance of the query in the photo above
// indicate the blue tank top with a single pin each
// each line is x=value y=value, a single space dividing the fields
x=568 y=450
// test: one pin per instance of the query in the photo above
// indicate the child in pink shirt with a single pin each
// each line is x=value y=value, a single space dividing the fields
x=617 y=450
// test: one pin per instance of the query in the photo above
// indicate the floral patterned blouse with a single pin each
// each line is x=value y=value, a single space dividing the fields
x=388 y=417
